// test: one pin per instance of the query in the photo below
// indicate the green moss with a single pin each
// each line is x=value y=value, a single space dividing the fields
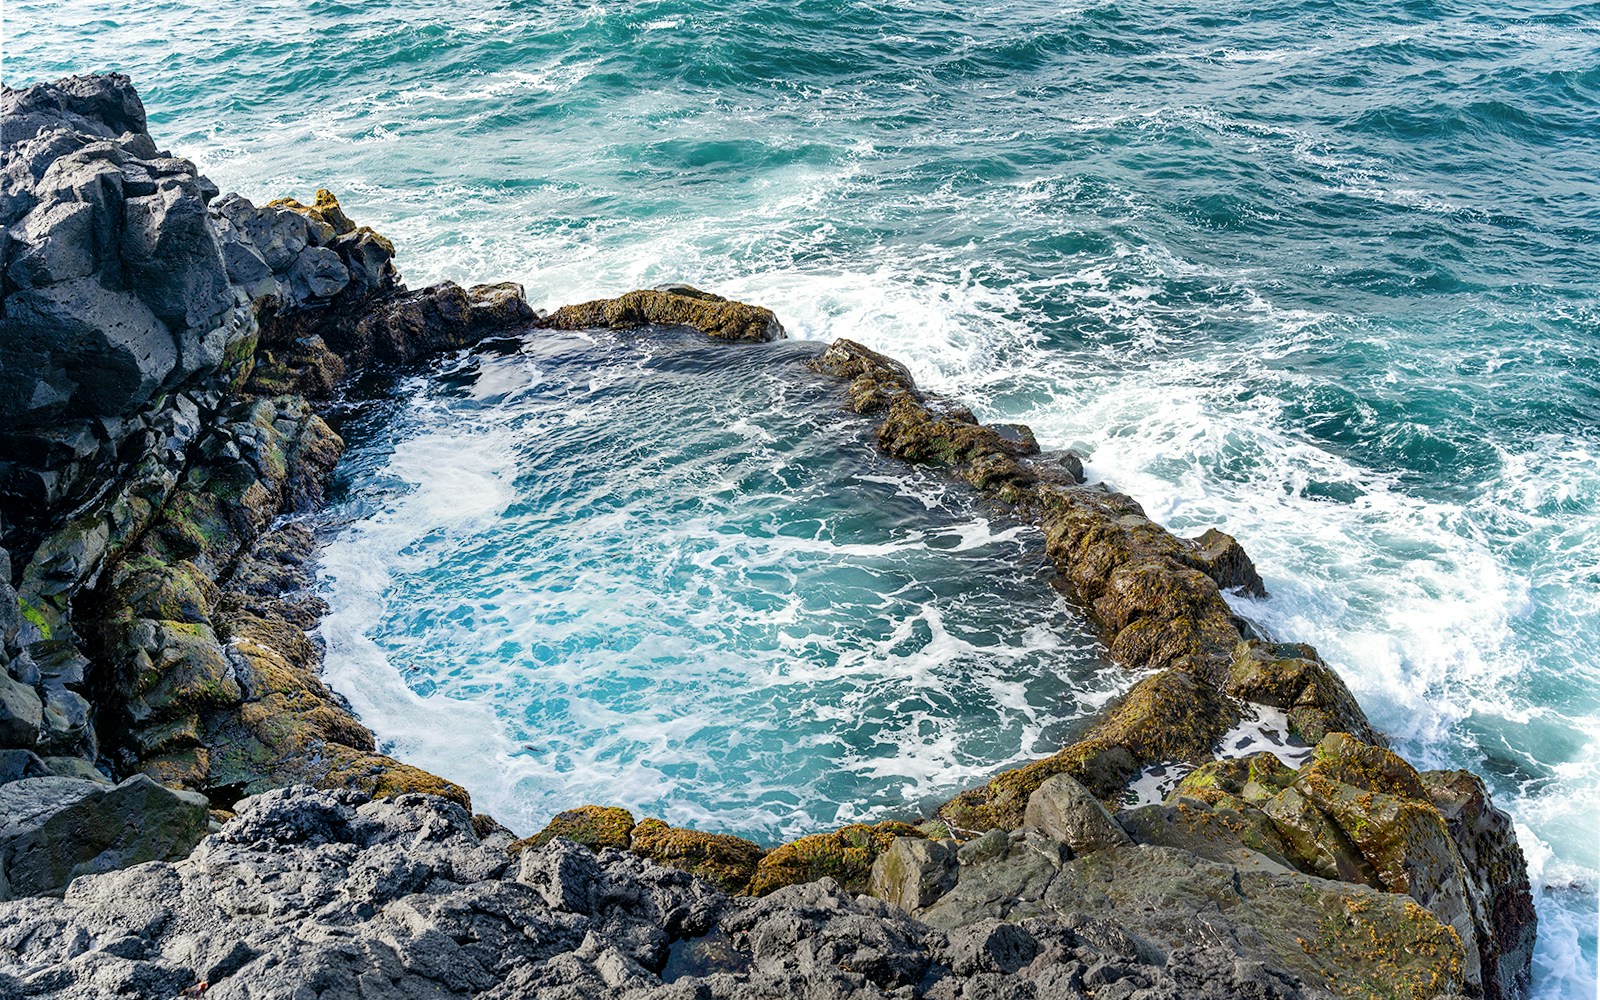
x=728 y=862
x=845 y=855
x=35 y=617
x=712 y=316
x=592 y=826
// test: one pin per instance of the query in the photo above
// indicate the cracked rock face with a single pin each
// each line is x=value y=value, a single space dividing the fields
x=308 y=893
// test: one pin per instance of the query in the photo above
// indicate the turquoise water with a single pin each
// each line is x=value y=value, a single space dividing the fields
x=1321 y=273
x=650 y=571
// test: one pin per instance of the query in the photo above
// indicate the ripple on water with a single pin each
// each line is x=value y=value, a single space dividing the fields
x=644 y=570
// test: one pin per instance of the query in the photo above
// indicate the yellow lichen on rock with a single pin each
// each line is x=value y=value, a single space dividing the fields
x=845 y=855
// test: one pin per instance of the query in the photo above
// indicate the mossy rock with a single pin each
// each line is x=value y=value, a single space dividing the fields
x=1293 y=678
x=153 y=589
x=188 y=672
x=324 y=210
x=1315 y=842
x=1220 y=556
x=726 y=861
x=1244 y=838
x=845 y=855
x=915 y=432
x=714 y=317
x=876 y=380
x=1252 y=779
x=1343 y=758
x=1167 y=717
x=592 y=826
x=1345 y=940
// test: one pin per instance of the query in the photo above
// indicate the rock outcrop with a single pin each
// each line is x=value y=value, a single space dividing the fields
x=165 y=352
x=672 y=305
x=1356 y=814
x=324 y=893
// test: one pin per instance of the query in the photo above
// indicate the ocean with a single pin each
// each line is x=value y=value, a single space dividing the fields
x=1323 y=275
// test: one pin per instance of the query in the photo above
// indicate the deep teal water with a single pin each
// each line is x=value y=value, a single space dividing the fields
x=1322 y=273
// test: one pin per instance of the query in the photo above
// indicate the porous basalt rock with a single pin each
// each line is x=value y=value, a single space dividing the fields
x=712 y=315
x=305 y=892
x=164 y=341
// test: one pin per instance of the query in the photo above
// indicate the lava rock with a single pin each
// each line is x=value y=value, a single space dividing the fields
x=53 y=829
x=913 y=873
x=1065 y=810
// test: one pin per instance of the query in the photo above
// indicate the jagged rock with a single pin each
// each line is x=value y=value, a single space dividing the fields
x=1292 y=677
x=875 y=379
x=502 y=306
x=21 y=713
x=712 y=316
x=1064 y=809
x=813 y=928
x=324 y=210
x=912 y=873
x=990 y=946
x=317 y=273
x=53 y=830
x=1496 y=874
x=1246 y=840
x=1219 y=555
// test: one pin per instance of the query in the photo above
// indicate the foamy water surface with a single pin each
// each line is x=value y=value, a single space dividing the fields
x=1323 y=274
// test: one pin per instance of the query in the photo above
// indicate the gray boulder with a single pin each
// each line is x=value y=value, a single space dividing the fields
x=1066 y=810
x=21 y=713
x=913 y=873
x=18 y=764
x=54 y=829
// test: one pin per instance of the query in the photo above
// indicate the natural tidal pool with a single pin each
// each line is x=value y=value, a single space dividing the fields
x=644 y=569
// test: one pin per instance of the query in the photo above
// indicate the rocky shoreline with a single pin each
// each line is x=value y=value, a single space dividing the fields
x=173 y=767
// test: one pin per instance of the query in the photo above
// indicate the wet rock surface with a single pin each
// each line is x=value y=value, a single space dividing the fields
x=672 y=305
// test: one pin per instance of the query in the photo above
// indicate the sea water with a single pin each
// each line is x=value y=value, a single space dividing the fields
x=646 y=570
x=1323 y=274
